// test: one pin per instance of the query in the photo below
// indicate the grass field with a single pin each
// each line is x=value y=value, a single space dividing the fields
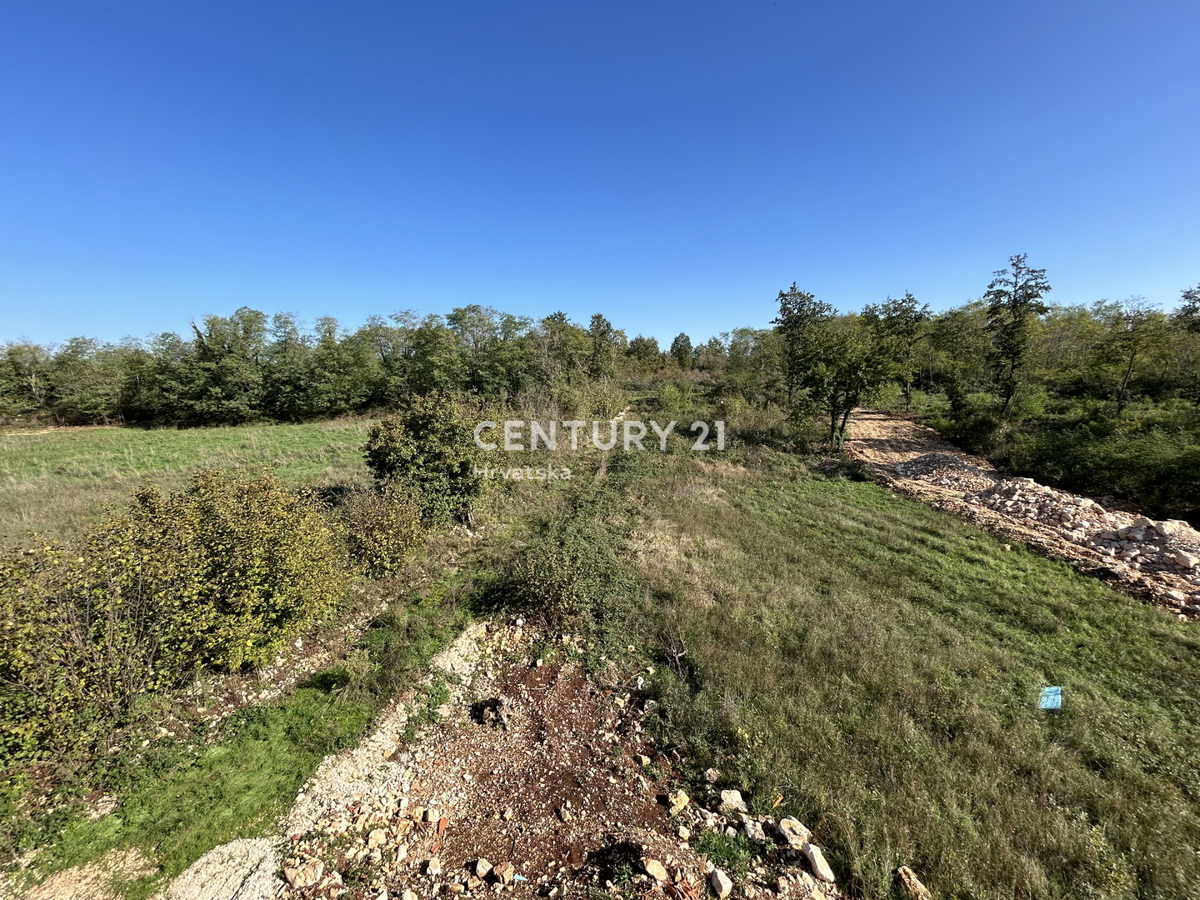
x=878 y=664
x=55 y=482
x=875 y=662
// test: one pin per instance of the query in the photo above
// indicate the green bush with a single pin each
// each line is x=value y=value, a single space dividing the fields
x=219 y=576
x=429 y=448
x=384 y=527
x=572 y=572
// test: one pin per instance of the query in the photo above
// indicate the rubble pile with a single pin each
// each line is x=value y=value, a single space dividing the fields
x=1153 y=561
x=949 y=471
x=1139 y=542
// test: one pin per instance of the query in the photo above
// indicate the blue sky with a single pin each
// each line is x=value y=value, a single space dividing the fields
x=672 y=164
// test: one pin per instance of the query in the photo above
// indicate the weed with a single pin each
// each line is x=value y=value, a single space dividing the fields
x=733 y=854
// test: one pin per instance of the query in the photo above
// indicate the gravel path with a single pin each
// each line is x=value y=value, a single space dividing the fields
x=1154 y=561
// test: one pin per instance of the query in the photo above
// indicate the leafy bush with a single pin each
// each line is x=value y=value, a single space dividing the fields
x=429 y=448
x=572 y=572
x=384 y=527
x=219 y=576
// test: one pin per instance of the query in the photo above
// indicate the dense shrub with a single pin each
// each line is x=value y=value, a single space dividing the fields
x=572 y=573
x=218 y=576
x=384 y=527
x=429 y=448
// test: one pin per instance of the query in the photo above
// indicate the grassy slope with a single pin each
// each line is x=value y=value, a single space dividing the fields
x=878 y=663
x=55 y=482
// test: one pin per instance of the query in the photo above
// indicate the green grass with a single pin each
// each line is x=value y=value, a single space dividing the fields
x=879 y=663
x=58 y=481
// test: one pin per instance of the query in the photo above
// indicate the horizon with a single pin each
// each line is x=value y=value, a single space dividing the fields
x=674 y=164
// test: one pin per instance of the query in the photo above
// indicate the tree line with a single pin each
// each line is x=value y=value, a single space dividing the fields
x=989 y=359
x=248 y=367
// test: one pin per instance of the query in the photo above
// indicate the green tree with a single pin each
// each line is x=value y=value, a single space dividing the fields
x=86 y=382
x=645 y=350
x=436 y=364
x=897 y=327
x=1014 y=299
x=287 y=371
x=1188 y=314
x=959 y=340
x=606 y=342
x=1133 y=327
x=802 y=324
x=832 y=362
x=711 y=356
x=681 y=350
x=24 y=380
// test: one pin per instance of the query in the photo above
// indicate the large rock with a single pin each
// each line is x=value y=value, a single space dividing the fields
x=1171 y=527
x=655 y=870
x=239 y=870
x=720 y=883
x=816 y=859
x=732 y=801
x=794 y=833
x=677 y=801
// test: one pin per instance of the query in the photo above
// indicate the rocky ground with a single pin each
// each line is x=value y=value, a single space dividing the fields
x=1158 y=561
x=509 y=772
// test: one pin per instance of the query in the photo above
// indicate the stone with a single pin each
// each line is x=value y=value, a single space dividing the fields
x=684 y=833
x=912 y=885
x=677 y=802
x=816 y=859
x=305 y=875
x=732 y=800
x=376 y=838
x=655 y=869
x=794 y=833
x=720 y=883
x=1186 y=560
x=712 y=776
x=504 y=873
x=409 y=894
x=433 y=866
x=754 y=831
x=482 y=868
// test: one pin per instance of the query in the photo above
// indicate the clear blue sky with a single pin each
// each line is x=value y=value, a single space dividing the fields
x=672 y=164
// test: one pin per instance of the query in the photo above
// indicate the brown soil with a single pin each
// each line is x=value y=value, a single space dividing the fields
x=529 y=765
x=881 y=442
